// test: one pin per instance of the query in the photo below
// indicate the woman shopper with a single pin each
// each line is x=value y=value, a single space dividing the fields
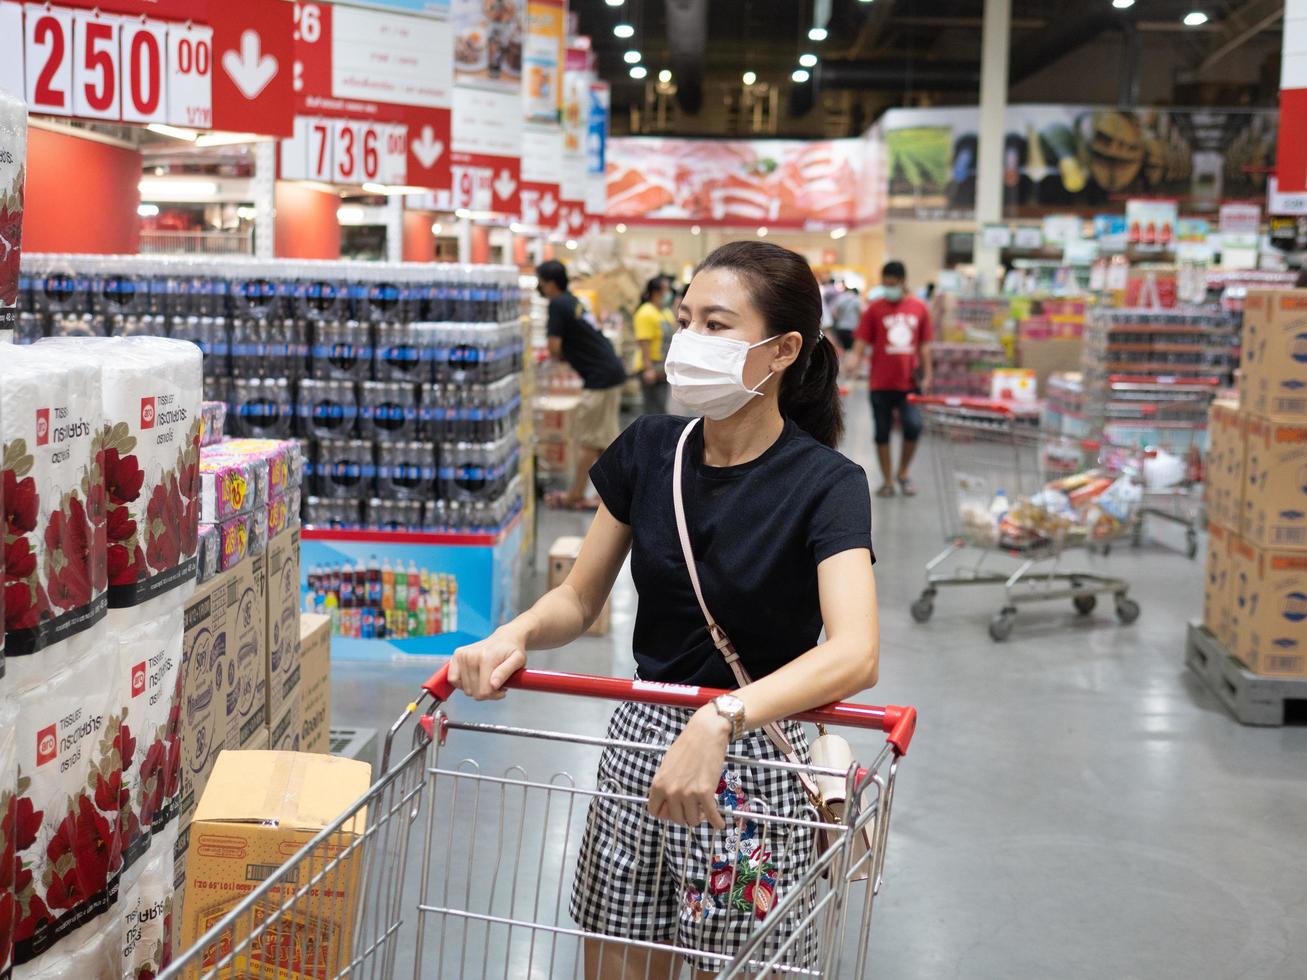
x=780 y=528
x=653 y=318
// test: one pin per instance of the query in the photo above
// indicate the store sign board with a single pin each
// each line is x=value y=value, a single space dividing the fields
x=1284 y=202
x=209 y=66
x=487 y=160
x=542 y=77
x=488 y=43
x=542 y=174
x=373 y=97
x=1028 y=238
x=1151 y=222
x=596 y=148
x=996 y=236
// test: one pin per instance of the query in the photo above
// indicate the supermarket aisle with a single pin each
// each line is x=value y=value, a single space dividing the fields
x=1075 y=805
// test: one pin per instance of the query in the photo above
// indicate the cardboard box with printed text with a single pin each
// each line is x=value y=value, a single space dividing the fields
x=1268 y=609
x=1275 y=484
x=562 y=556
x=315 y=685
x=283 y=622
x=1273 y=354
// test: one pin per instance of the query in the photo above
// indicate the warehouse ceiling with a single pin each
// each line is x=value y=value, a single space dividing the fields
x=890 y=53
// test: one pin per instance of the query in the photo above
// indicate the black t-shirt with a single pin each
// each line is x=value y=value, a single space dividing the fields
x=584 y=347
x=758 y=530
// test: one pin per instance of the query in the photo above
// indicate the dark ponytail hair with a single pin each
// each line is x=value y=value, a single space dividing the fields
x=784 y=290
x=654 y=285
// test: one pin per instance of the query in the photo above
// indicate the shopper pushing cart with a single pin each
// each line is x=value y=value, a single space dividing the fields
x=992 y=467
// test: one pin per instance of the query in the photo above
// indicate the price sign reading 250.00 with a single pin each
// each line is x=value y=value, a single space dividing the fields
x=98 y=66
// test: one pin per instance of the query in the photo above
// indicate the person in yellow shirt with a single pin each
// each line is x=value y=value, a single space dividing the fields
x=653 y=320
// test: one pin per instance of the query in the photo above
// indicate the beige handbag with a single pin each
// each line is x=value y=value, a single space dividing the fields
x=827 y=793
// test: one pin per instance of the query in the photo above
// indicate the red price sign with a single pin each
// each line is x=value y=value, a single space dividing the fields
x=95 y=66
x=48 y=42
x=190 y=76
x=342 y=151
x=144 y=49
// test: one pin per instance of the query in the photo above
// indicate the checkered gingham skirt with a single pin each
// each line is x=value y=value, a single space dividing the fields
x=703 y=889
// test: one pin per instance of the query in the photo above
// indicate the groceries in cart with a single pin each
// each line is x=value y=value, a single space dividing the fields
x=1084 y=506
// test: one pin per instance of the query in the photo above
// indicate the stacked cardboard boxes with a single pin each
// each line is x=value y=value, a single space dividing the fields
x=562 y=556
x=555 y=448
x=1255 y=601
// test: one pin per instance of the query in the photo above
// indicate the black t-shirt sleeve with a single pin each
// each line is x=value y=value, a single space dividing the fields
x=842 y=518
x=560 y=315
x=614 y=473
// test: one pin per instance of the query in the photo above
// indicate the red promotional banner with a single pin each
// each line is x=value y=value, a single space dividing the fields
x=542 y=151
x=373 y=94
x=487 y=161
x=184 y=62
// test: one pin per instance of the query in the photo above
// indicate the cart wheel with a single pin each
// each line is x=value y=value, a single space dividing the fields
x=1000 y=627
x=1085 y=604
x=1127 y=610
x=1191 y=537
x=923 y=608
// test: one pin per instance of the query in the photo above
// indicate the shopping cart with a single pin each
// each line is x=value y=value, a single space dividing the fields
x=991 y=461
x=494 y=856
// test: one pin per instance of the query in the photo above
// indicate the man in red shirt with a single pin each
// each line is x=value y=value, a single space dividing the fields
x=897 y=329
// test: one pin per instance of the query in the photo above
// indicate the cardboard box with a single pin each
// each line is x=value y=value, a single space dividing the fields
x=1268 y=609
x=1217 y=581
x=181 y=846
x=562 y=556
x=283 y=622
x=1048 y=355
x=554 y=415
x=315 y=683
x=1275 y=484
x=1223 y=474
x=258 y=810
x=286 y=730
x=1273 y=376
x=224 y=678
x=556 y=458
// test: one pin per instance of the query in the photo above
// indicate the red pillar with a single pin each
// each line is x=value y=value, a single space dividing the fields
x=307 y=226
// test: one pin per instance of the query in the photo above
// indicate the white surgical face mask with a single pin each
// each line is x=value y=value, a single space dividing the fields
x=707 y=373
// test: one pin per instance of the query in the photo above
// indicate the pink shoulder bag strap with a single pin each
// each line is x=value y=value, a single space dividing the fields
x=719 y=637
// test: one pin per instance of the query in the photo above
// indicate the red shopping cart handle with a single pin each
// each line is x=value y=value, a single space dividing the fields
x=899 y=723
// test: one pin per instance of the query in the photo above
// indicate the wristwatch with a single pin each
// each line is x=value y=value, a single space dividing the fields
x=730 y=707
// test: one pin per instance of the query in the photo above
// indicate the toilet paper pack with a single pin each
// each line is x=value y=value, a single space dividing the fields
x=93 y=957
x=145 y=913
x=70 y=797
x=151 y=388
x=8 y=817
x=149 y=665
x=55 y=509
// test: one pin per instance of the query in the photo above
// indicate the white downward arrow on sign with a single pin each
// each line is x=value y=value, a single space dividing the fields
x=548 y=205
x=250 y=69
x=505 y=185
x=427 y=148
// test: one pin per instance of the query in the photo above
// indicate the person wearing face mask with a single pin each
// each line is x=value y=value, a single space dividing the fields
x=574 y=338
x=652 y=317
x=896 y=328
x=777 y=524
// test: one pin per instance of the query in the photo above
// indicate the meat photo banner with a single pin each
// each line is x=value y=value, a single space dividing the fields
x=777 y=183
x=199 y=64
x=373 y=97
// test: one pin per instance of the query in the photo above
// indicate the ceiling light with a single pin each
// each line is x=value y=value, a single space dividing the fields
x=762 y=232
x=227 y=139
x=350 y=214
x=516 y=228
x=808 y=60
x=462 y=213
x=621 y=229
x=614 y=3
x=694 y=229
x=665 y=75
x=800 y=75
x=1195 y=18
x=247 y=212
x=839 y=233
x=571 y=244
x=1123 y=4
x=864 y=1
x=750 y=77
x=436 y=229
x=147 y=210
x=639 y=71
x=817 y=34
x=623 y=31
x=177 y=189
x=632 y=57
x=175 y=132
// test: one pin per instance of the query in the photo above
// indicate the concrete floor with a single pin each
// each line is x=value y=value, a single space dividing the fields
x=1075 y=805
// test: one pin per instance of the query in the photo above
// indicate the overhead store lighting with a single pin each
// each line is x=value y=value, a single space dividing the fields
x=391 y=190
x=247 y=212
x=350 y=214
x=621 y=229
x=571 y=244
x=462 y=213
x=817 y=34
x=639 y=71
x=1123 y=4
x=147 y=210
x=808 y=60
x=632 y=57
x=750 y=77
x=624 y=31
x=665 y=75
x=436 y=228
x=614 y=3
x=177 y=189
x=695 y=229
x=800 y=75
x=1195 y=18
x=176 y=132
x=839 y=233
x=228 y=139
x=762 y=232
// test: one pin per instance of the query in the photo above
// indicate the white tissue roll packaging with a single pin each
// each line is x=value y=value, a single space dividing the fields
x=8 y=831
x=145 y=912
x=55 y=519
x=70 y=797
x=151 y=389
x=149 y=670
x=13 y=153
